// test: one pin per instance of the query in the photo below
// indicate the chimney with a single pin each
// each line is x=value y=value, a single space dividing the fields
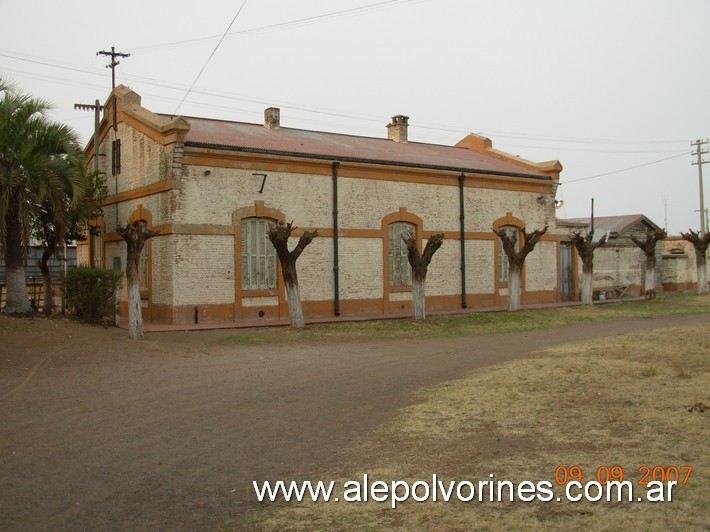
x=397 y=130
x=272 y=118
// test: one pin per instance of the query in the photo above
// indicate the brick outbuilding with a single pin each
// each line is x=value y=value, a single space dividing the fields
x=212 y=187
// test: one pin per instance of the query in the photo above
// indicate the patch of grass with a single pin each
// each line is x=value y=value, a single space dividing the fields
x=477 y=323
x=588 y=404
x=245 y=340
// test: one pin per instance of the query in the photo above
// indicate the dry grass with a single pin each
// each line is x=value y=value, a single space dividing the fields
x=474 y=323
x=622 y=401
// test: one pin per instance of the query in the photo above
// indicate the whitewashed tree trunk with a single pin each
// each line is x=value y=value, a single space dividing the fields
x=135 y=314
x=650 y=283
x=135 y=234
x=295 y=310
x=418 y=304
x=514 y=284
x=586 y=286
x=701 y=266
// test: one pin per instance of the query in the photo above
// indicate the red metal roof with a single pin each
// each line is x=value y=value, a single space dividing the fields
x=221 y=133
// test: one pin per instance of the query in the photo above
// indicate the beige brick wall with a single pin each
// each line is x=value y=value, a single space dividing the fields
x=484 y=206
x=618 y=266
x=204 y=269
x=315 y=269
x=163 y=253
x=212 y=199
x=679 y=269
x=143 y=161
x=444 y=274
x=361 y=268
x=541 y=267
x=480 y=270
x=364 y=202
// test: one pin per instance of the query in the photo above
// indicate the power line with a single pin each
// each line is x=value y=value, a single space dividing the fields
x=625 y=169
x=282 y=25
x=354 y=116
x=210 y=57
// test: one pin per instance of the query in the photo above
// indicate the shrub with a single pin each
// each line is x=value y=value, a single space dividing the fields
x=90 y=293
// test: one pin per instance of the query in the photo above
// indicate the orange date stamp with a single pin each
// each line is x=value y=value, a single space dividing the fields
x=615 y=473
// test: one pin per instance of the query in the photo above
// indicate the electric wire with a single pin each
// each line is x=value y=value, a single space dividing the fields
x=210 y=57
x=685 y=153
x=352 y=116
x=282 y=25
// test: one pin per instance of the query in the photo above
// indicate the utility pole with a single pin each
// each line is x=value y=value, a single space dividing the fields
x=113 y=64
x=97 y=108
x=700 y=151
x=113 y=54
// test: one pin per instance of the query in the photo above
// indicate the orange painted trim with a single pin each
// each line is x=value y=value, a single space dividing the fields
x=508 y=219
x=141 y=192
x=194 y=229
x=209 y=157
x=680 y=287
x=155 y=132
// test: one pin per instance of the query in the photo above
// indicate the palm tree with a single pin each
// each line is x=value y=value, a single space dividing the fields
x=33 y=168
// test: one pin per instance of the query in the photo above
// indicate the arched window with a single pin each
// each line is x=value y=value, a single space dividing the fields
x=503 y=265
x=400 y=272
x=258 y=255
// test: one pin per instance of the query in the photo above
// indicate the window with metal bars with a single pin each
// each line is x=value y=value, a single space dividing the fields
x=400 y=271
x=258 y=255
x=116 y=157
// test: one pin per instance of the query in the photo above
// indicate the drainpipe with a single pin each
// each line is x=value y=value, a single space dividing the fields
x=336 y=269
x=462 y=219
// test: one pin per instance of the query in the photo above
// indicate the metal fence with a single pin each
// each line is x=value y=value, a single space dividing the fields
x=57 y=264
x=35 y=289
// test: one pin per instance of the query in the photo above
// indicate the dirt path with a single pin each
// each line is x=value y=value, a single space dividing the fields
x=98 y=432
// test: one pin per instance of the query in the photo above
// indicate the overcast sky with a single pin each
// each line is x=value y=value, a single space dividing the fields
x=601 y=86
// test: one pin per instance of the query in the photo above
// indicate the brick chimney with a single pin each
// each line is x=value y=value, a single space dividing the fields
x=397 y=130
x=272 y=118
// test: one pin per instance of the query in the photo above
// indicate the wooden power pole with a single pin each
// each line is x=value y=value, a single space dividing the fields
x=97 y=108
x=699 y=153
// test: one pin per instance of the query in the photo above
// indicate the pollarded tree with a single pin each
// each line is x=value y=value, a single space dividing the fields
x=648 y=246
x=33 y=169
x=135 y=234
x=279 y=234
x=700 y=243
x=516 y=260
x=420 y=266
x=585 y=248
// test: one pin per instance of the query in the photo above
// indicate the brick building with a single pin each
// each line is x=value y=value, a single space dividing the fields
x=211 y=187
x=619 y=265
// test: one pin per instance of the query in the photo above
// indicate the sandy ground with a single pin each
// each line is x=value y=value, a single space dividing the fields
x=98 y=432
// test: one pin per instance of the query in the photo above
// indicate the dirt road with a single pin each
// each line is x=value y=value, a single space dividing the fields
x=101 y=433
